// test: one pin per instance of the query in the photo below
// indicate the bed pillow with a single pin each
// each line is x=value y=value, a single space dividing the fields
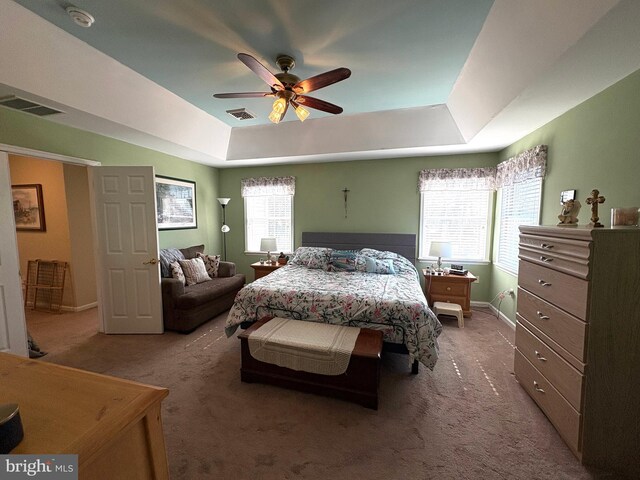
x=194 y=271
x=211 y=263
x=176 y=272
x=312 y=257
x=400 y=264
x=382 y=266
x=343 y=260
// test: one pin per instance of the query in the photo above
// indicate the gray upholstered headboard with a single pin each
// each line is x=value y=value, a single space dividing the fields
x=401 y=243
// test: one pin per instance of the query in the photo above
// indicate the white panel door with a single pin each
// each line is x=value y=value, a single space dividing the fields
x=13 y=332
x=127 y=249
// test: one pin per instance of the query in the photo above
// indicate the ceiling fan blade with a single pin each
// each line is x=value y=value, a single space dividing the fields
x=322 y=80
x=256 y=67
x=244 y=95
x=318 y=104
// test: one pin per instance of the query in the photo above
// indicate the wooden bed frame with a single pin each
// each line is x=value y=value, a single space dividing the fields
x=401 y=243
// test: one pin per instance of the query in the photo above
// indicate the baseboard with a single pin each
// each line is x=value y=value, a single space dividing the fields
x=81 y=308
x=503 y=317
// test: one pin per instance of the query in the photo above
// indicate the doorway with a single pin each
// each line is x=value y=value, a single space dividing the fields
x=64 y=312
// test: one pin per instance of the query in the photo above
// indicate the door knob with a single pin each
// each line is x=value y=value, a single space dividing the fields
x=153 y=261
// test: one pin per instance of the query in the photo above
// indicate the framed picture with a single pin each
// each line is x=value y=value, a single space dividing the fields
x=176 y=203
x=567 y=195
x=28 y=208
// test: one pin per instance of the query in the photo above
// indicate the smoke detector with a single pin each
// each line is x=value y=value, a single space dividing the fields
x=81 y=17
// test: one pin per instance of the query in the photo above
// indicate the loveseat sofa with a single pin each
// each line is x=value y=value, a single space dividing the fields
x=185 y=307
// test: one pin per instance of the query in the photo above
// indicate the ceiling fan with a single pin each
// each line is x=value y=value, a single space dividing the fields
x=289 y=89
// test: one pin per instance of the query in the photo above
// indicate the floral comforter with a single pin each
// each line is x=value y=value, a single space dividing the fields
x=394 y=304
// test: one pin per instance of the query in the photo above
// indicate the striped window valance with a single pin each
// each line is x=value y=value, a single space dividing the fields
x=262 y=186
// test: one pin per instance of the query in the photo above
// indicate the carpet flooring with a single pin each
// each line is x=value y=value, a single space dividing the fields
x=468 y=419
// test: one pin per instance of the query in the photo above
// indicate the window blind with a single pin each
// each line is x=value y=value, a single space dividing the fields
x=519 y=205
x=269 y=216
x=457 y=216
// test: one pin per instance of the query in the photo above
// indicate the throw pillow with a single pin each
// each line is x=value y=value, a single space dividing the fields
x=194 y=271
x=381 y=266
x=211 y=263
x=343 y=260
x=176 y=272
x=191 y=252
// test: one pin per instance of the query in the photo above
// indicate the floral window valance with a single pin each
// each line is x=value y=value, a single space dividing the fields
x=261 y=186
x=525 y=166
x=529 y=164
x=457 y=179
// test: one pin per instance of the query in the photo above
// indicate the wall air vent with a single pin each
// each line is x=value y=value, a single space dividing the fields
x=28 y=106
x=241 y=114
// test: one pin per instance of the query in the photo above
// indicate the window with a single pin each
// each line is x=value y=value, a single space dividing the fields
x=456 y=208
x=519 y=205
x=268 y=211
x=519 y=181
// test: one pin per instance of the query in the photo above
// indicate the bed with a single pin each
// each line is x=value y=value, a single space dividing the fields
x=393 y=303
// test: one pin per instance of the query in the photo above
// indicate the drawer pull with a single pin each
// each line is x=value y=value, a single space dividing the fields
x=545 y=259
x=542 y=316
x=448 y=289
x=546 y=245
x=536 y=385
x=543 y=283
x=540 y=357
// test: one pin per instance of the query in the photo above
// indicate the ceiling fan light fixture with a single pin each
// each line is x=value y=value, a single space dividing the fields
x=279 y=107
x=275 y=117
x=301 y=112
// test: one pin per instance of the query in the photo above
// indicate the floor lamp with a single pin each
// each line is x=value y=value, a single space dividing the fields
x=225 y=228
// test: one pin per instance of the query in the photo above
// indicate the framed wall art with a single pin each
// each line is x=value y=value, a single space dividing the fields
x=28 y=207
x=567 y=195
x=175 y=203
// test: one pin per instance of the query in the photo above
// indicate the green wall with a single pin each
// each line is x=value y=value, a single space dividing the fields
x=24 y=130
x=594 y=145
x=383 y=198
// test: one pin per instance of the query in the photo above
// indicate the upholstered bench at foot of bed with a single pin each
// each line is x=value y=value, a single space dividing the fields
x=358 y=384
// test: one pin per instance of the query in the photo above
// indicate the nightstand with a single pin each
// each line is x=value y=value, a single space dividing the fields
x=449 y=289
x=262 y=269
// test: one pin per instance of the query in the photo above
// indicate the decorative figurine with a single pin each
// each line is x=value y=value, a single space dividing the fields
x=569 y=213
x=594 y=200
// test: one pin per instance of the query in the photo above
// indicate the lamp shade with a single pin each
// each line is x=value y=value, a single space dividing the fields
x=440 y=249
x=268 y=244
x=223 y=201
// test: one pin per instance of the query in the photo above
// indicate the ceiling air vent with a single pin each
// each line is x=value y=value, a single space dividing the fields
x=28 y=106
x=241 y=114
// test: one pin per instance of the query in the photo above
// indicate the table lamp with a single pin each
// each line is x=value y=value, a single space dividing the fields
x=268 y=244
x=440 y=249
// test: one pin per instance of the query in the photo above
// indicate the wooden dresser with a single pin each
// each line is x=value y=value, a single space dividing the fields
x=578 y=338
x=113 y=425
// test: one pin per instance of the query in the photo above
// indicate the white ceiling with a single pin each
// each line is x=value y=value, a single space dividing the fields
x=527 y=63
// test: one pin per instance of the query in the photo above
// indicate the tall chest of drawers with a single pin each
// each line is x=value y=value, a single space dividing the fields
x=578 y=338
